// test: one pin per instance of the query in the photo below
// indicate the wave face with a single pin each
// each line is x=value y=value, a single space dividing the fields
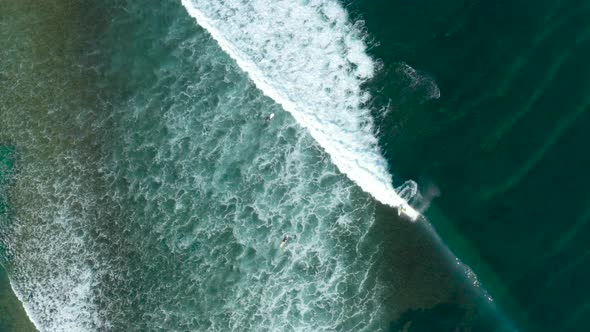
x=309 y=58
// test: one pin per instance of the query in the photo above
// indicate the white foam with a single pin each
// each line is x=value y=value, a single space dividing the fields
x=419 y=80
x=307 y=57
x=52 y=280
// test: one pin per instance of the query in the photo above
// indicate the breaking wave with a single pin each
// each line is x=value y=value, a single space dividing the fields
x=310 y=59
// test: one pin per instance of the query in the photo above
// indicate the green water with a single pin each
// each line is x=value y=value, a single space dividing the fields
x=504 y=144
x=12 y=315
x=7 y=157
x=6 y=171
x=150 y=192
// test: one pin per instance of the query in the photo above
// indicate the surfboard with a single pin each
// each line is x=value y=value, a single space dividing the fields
x=284 y=242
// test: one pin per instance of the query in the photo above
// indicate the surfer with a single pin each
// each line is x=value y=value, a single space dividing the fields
x=400 y=210
x=284 y=242
x=268 y=118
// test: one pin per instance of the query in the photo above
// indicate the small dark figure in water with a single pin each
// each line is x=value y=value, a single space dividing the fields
x=268 y=118
x=285 y=239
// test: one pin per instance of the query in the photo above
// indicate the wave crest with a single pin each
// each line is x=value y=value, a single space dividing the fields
x=310 y=59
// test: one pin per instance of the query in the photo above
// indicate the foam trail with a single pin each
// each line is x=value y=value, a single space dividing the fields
x=419 y=81
x=308 y=58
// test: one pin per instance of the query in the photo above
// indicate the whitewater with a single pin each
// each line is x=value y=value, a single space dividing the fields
x=154 y=196
x=309 y=58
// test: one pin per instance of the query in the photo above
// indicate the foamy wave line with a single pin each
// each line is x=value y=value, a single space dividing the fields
x=361 y=162
x=28 y=312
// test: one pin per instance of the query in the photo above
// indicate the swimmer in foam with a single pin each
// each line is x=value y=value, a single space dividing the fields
x=268 y=118
x=284 y=242
x=400 y=210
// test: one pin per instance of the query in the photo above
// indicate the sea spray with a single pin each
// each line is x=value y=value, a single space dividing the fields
x=311 y=60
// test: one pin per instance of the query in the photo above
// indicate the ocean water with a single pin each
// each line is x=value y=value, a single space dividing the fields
x=503 y=143
x=149 y=192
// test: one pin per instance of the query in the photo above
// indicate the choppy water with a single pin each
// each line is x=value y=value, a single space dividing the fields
x=158 y=200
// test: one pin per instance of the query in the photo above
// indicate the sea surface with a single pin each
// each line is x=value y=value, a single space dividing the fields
x=143 y=188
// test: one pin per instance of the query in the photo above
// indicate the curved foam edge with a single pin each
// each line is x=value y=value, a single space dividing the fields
x=380 y=188
x=25 y=308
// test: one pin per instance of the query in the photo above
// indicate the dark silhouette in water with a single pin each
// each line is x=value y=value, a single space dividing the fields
x=284 y=241
x=269 y=117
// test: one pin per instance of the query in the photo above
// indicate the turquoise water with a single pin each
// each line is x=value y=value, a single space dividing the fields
x=151 y=193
